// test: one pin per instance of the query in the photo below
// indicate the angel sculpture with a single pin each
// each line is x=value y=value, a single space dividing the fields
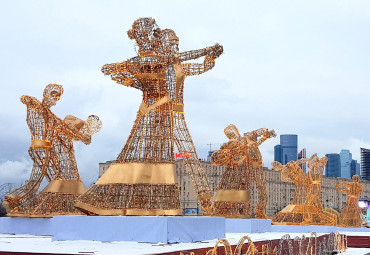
x=53 y=155
x=142 y=180
x=243 y=161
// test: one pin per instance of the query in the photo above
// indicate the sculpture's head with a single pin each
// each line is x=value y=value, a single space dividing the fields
x=355 y=178
x=232 y=132
x=168 y=42
x=52 y=94
x=144 y=31
x=317 y=163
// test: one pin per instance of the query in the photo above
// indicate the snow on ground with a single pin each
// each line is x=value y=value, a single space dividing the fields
x=357 y=251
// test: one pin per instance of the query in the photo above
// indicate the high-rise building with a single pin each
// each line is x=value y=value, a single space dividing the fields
x=289 y=148
x=301 y=155
x=332 y=168
x=277 y=153
x=355 y=168
x=365 y=164
x=345 y=163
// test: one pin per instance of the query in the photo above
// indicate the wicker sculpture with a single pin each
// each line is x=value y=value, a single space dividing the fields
x=306 y=207
x=53 y=155
x=292 y=214
x=243 y=162
x=351 y=213
x=142 y=180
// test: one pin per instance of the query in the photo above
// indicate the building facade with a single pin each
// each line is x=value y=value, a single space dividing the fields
x=355 y=168
x=332 y=168
x=365 y=164
x=287 y=150
x=345 y=163
x=277 y=153
x=280 y=193
x=301 y=155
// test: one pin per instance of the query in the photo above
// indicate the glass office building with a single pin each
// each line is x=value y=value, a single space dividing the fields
x=345 y=163
x=332 y=168
x=289 y=148
x=365 y=164
x=277 y=153
x=355 y=168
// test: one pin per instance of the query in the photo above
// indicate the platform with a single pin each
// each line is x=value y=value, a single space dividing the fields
x=30 y=226
x=247 y=225
x=151 y=229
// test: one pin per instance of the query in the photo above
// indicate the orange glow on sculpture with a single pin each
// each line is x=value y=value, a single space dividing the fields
x=306 y=207
x=351 y=213
x=146 y=165
x=243 y=161
x=53 y=155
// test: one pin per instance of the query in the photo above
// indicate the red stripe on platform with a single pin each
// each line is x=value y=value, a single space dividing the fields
x=272 y=243
x=358 y=241
x=221 y=249
x=34 y=253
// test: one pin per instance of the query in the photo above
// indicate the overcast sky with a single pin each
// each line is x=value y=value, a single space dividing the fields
x=299 y=67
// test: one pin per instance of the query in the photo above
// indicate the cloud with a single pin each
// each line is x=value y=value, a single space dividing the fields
x=15 y=171
x=354 y=146
x=296 y=67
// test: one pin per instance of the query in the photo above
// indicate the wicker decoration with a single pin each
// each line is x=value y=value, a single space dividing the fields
x=306 y=207
x=142 y=180
x=53 y=155
x=351 y=213
x=314 y=245
x=243 y=161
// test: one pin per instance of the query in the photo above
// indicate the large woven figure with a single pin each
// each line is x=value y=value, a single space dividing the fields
x=142 y=180
x=177 y=71
x=42 y=126
x=315 y=214
x=351 y=213
x=243 y=161
x=52 y=144
x=292 y=214
x=306 y=207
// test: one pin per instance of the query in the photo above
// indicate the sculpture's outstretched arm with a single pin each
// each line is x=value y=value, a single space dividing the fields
x=29 y=101
x=215 y=51
x=126 y=79
x=193 y=54
x=302 y=160
x=266 y=135
x=121 y=73
x=277 y=166
x=209 y=62
x=70 y=131
x=229 y=153
x=119 y=67
x=196 y=69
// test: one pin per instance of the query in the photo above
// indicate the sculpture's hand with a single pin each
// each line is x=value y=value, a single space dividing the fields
x=215 y=51
x=277 y=166
x=271 y=133
x=92 y=125
x=114 y=68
